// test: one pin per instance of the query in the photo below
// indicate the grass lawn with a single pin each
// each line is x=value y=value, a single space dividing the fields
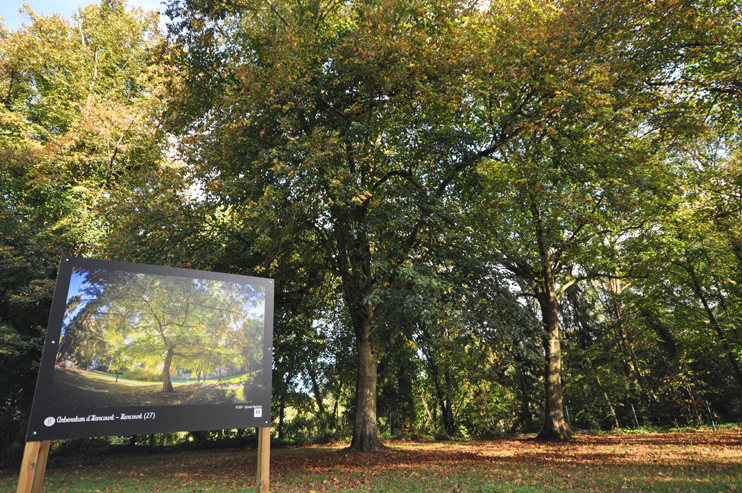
x=111 y=378
x=214 y=381
x=703 y=461
x=74 y=389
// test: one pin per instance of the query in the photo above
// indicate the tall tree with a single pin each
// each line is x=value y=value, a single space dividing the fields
x=583 y=170
x=341 y=139
x=75 y=97
x=165 y=318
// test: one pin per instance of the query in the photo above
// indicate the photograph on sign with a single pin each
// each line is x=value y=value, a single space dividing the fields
x=137 y=348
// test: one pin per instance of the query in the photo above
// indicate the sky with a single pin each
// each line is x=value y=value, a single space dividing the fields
x=74 y=289
x=13 y=19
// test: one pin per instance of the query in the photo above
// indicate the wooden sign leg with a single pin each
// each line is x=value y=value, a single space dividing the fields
x=33 y=467
x=264 y=459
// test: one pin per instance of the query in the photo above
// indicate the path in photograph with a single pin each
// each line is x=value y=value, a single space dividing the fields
x=78 y=388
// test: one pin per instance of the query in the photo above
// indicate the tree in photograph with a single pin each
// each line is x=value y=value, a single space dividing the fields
x=154 y=320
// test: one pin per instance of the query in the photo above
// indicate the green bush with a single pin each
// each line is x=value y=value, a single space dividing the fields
x=142 y=374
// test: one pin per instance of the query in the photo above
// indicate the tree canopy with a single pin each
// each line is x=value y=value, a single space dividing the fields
x=79 y=100
x=479 y=216
x=146 y=321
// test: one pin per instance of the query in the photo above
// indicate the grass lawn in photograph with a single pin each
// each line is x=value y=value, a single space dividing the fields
x=700 y=461
x=79 y=388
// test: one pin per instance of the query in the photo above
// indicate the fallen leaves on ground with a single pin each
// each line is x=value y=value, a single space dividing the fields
x=683 y=461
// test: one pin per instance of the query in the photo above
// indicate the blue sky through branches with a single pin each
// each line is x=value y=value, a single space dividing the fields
x=14 y=19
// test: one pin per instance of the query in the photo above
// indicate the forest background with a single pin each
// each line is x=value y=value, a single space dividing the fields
x=482 y=218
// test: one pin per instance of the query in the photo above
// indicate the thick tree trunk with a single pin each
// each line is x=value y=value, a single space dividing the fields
x=355 y=268
x=65 y=348
x=167 y=385
x=365 y=432
x=555 y=426
x=354 y=264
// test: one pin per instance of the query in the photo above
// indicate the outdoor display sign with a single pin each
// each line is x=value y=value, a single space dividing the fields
x=136 y=349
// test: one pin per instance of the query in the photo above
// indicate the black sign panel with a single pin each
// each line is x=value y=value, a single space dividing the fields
x=135 y=349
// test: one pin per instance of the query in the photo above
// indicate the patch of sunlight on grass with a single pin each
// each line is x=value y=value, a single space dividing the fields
x=502 y=465
x=239 y=394
x=112 y=378
x=243 y=377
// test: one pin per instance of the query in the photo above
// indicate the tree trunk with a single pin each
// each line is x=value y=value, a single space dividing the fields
x=608 y=400
x=281 y=414
x=15 y=449
x=525 y=417
x=65 y=348
x=424 y=402
x=365 y=432
x=317 y=393
x=555 y=426
x=714 y=323
x=615 y=287
x=354 y=264
x=167 y=385
x=438 y=392
x=448 y=416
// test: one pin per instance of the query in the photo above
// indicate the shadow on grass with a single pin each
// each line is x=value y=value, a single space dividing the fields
x=78 y=389
x=662 y=462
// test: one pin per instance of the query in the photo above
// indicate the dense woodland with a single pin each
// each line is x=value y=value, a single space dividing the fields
x=482 y=217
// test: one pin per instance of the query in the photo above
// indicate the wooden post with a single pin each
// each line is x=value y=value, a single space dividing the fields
x=33 y=467
x=264 y=459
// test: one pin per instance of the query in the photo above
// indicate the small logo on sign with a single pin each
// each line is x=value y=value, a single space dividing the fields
x=258 y=412
x=49 y=421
